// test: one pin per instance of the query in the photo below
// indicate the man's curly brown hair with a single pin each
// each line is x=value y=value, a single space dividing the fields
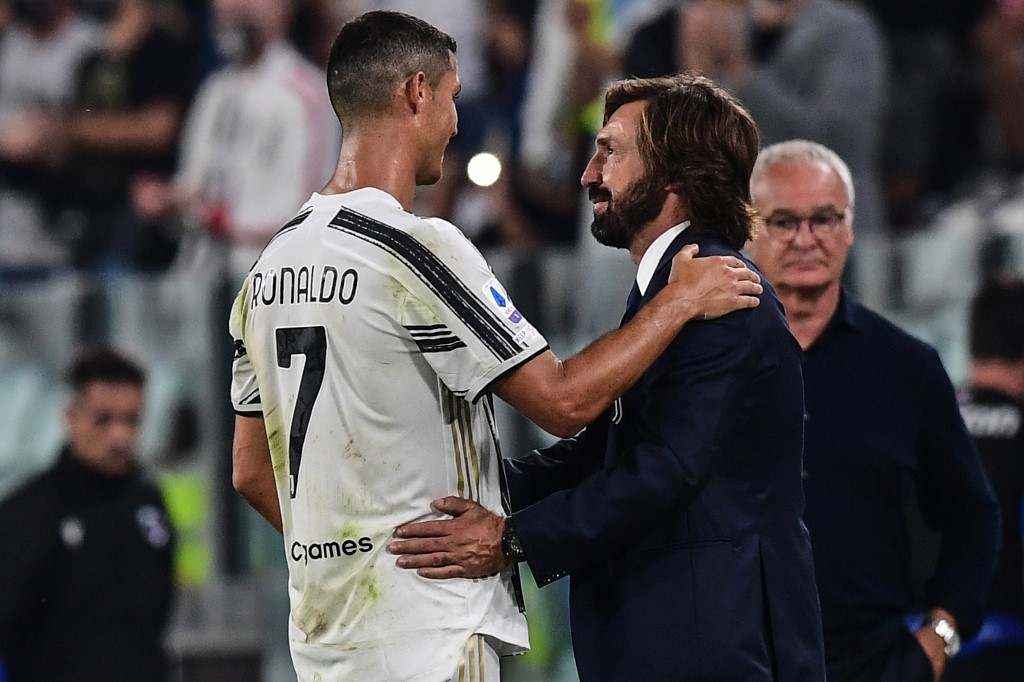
x=700 y=141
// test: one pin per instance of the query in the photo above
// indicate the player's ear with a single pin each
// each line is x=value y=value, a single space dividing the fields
x=416 y=91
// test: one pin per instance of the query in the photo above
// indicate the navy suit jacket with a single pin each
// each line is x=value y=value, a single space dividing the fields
x=677 y=514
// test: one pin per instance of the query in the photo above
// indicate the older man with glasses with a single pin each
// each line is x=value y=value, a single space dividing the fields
x=882 y=433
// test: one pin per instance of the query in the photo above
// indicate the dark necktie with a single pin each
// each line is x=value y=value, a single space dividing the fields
x=632 y=304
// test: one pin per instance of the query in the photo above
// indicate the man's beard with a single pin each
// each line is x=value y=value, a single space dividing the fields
x=624 y=217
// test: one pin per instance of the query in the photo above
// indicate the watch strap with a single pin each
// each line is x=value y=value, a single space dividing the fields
x=510 y=545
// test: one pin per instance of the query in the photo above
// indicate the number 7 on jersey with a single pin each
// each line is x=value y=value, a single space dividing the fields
x=311 y=342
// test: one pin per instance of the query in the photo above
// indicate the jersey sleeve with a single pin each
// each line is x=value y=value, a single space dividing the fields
x=245 y=389
x=461 y=317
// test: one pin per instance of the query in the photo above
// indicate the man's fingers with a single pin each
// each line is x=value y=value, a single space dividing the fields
x=432 y=560
x=749 y=301
x=745 y=273
x=443 y=573
x=734 y=304
x=685 y=255
x=750 y=288
x=423 y=529
x=452 y=505
x=418 y=546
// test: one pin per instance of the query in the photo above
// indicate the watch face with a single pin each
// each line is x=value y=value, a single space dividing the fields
x=944 y=629
x=510 y=546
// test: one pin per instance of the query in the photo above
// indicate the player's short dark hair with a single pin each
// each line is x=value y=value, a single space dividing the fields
x=376 y=51
x=698 y=138
x=105 y=365
x=997 y=319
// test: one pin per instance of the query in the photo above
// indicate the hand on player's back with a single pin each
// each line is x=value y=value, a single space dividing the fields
x=468 y=545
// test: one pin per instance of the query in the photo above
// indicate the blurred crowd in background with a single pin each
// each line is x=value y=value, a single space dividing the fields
x=149 y=148
x=124 y=124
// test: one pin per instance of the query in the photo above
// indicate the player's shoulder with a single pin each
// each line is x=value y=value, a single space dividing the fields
x=445 y=232
x=373 y=217
x=376 y=213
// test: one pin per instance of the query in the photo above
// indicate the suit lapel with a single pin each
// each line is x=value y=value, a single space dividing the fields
x=632 y=304
x=620 y=413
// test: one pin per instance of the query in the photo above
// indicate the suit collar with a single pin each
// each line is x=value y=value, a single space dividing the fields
x=691 y=235
x=654 y=256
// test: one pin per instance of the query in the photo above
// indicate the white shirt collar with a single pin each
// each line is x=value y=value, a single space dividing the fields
x=652 y=256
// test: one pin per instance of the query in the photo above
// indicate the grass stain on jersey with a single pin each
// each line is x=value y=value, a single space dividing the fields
x=240 y=311
x=350 y=531
x=275 y=438
x=369 y=583
x=278 y=447
x=313 y=624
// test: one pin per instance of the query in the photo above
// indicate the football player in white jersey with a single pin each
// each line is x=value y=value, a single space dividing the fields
x=368 y=342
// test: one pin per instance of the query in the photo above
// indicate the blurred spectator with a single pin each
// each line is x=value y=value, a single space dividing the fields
x=131 y=97
x=317 y=22
x=259 y=139
x=804 y=68
x=881 y=433
x=533 y=203
x=86 y=568
x=39 y=59
x=999 y=37
x=6 y=16
x=930 y=136
x=561 y=111
x=993 y=409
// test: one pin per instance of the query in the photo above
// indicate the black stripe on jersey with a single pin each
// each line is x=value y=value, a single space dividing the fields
x=294 y=222
x=436 y=275
x=440 y=334
x=251 y=399
x=441 y=345
x=434 y=332
x=426 y=330
x=287 y=227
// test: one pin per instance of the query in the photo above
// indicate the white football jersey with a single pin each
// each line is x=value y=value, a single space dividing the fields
x=367 y=338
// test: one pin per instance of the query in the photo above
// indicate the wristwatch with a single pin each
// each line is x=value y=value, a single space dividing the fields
x=510 y=545
x=944 y=629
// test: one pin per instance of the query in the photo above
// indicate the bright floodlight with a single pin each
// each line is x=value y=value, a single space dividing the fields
x=484 y=169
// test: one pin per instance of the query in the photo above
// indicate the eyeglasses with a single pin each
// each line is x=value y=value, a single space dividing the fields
x=821 y=224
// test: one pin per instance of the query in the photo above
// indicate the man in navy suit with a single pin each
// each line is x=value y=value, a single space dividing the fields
x=677 y=513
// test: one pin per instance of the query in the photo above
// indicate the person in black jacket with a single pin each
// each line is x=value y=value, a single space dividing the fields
x=993 y=408
x=86 y=579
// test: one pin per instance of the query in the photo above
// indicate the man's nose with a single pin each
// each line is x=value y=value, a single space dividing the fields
x=804 y=236
x=123 y=433
x=591 y=174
